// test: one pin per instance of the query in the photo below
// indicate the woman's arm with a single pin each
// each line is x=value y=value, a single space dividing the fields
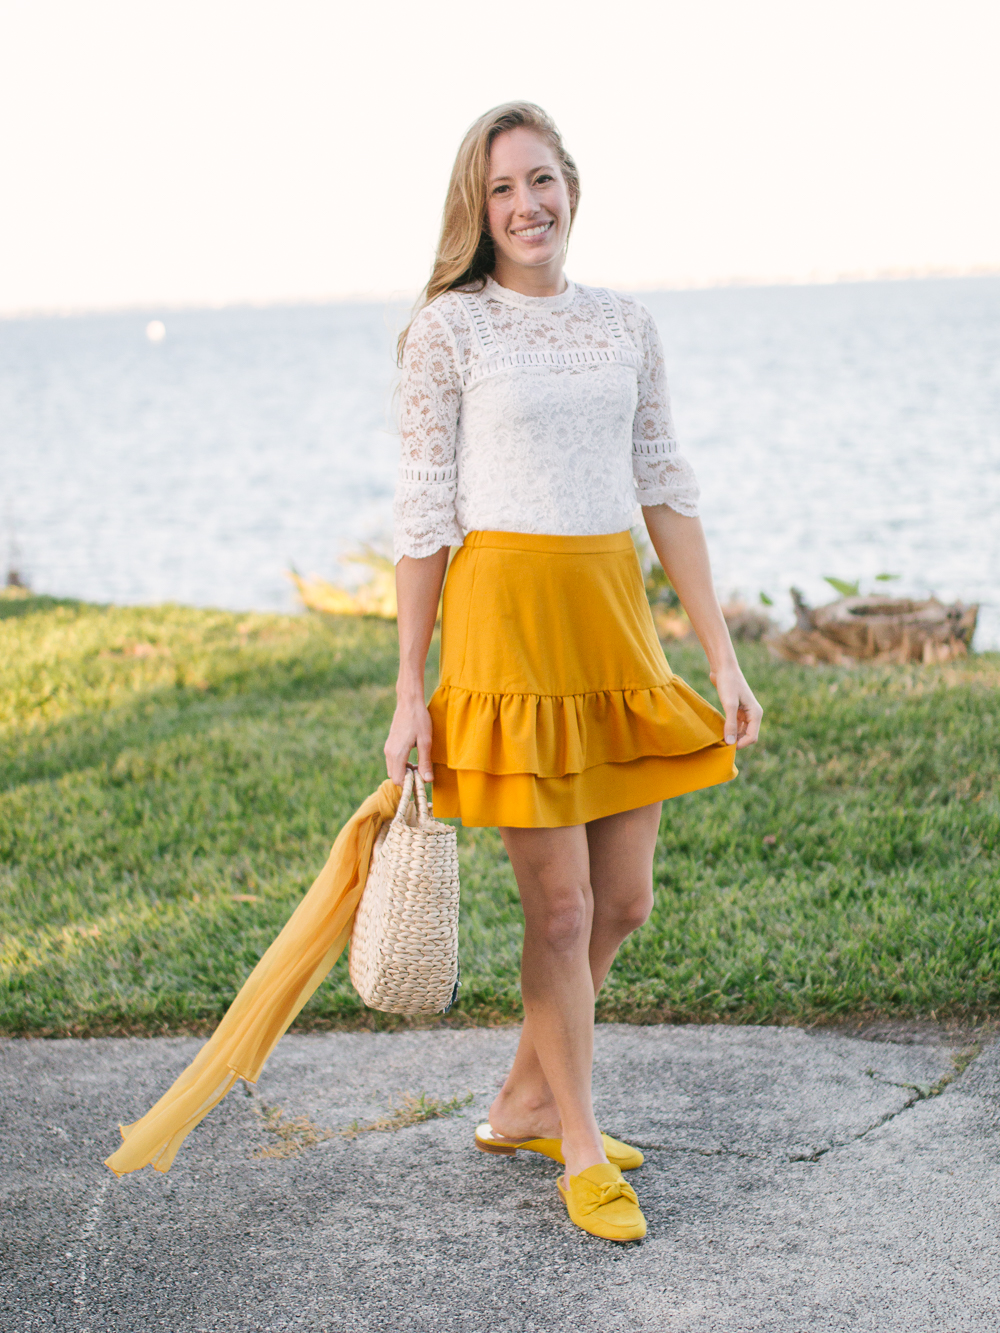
x=418 y=590
x=426 y=524
x=679 y=542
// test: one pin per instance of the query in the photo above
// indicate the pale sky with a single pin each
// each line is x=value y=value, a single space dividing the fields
x=207 y=152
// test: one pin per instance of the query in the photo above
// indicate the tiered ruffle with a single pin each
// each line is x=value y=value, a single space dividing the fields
x=523 y=611
x=546 y=761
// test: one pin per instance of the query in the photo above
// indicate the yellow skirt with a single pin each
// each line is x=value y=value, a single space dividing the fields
x=556 y=704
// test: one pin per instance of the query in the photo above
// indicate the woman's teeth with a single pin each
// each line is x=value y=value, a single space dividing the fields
x=533 y=231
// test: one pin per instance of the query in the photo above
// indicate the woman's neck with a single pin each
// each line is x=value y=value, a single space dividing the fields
x=546 y=280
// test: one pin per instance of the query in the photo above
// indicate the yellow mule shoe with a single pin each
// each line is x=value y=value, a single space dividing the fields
x=619 y=1154
x=600 y=1200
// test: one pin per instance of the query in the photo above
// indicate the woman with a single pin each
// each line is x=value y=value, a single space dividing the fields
x=534 y=415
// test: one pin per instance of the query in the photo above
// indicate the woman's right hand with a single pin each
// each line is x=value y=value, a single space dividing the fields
x=411 y=726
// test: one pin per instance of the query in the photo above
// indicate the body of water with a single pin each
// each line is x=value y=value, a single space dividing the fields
x=847 y=430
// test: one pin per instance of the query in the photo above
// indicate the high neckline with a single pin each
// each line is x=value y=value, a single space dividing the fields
x=509 y=297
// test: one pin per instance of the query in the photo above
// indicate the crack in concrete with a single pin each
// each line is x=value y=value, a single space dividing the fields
x=921 y=1092
x=856 y=1138
x=296 y=1134
x=91 y=1220
x=698 y=1152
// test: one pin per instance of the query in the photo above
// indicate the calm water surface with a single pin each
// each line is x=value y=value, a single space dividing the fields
x=846 y=430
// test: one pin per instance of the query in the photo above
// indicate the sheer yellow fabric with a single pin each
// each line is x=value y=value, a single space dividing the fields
x=291 y=969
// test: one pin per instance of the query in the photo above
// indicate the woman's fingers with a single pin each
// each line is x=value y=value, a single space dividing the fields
x=750 y=720
x=396 y=756
x=424 y=766
x=742 y=711
x=732 y=721
x=410 y=729
x=395 y=765
x=729 y=697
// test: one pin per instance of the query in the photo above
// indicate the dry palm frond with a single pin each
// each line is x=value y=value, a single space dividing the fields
x=375 y=597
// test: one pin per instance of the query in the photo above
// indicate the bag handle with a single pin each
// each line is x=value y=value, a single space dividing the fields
x=413 y=789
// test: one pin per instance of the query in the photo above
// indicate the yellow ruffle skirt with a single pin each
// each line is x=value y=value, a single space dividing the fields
x=556 y=704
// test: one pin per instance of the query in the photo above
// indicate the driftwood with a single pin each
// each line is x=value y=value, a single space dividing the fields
x=876 y=629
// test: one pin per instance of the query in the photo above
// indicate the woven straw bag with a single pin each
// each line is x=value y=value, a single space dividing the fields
x=404 y=948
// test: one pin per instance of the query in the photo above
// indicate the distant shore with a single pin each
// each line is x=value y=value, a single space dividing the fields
x=153 y=305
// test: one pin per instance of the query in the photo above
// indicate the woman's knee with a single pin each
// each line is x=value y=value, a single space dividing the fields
x=625 y=914
x=561 y=916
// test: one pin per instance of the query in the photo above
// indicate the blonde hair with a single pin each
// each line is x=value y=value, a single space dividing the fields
x=465 y=253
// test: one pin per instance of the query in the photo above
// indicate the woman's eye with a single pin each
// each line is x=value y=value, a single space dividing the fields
x=541 y=180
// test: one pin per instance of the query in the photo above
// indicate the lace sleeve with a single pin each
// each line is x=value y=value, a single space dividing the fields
x=430 y=394
x=662 y=475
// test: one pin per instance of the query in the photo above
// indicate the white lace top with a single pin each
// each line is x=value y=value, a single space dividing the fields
x=543 y=414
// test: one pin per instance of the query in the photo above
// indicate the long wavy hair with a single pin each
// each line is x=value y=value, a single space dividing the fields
x=465 y=253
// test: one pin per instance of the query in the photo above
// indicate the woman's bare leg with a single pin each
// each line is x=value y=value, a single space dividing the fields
x=618 y=865
x=621 y=873
x=552 y=867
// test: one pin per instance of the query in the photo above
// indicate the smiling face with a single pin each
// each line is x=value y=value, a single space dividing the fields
x=527 y=212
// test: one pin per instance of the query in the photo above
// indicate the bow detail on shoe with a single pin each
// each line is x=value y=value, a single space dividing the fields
x=599 y=1201
x=602 y=1192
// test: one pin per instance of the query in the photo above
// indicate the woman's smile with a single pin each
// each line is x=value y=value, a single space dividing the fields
x=529 y=233
x=528 y=213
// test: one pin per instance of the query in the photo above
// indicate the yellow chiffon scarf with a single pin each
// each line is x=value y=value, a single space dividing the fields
x=291 y=969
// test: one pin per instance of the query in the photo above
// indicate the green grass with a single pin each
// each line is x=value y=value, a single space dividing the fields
x=157 y=761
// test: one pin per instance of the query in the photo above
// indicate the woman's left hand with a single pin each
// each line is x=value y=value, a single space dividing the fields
x=743 y=712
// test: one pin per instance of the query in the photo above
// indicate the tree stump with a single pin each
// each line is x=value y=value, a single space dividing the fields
x=876 y=629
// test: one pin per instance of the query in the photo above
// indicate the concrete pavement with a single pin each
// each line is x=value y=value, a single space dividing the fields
x=793 y=1181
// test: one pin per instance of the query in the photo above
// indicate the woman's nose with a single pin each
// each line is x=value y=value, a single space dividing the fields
x=525 y=200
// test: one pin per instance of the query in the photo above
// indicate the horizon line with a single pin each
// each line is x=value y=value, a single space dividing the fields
x=376 y=296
